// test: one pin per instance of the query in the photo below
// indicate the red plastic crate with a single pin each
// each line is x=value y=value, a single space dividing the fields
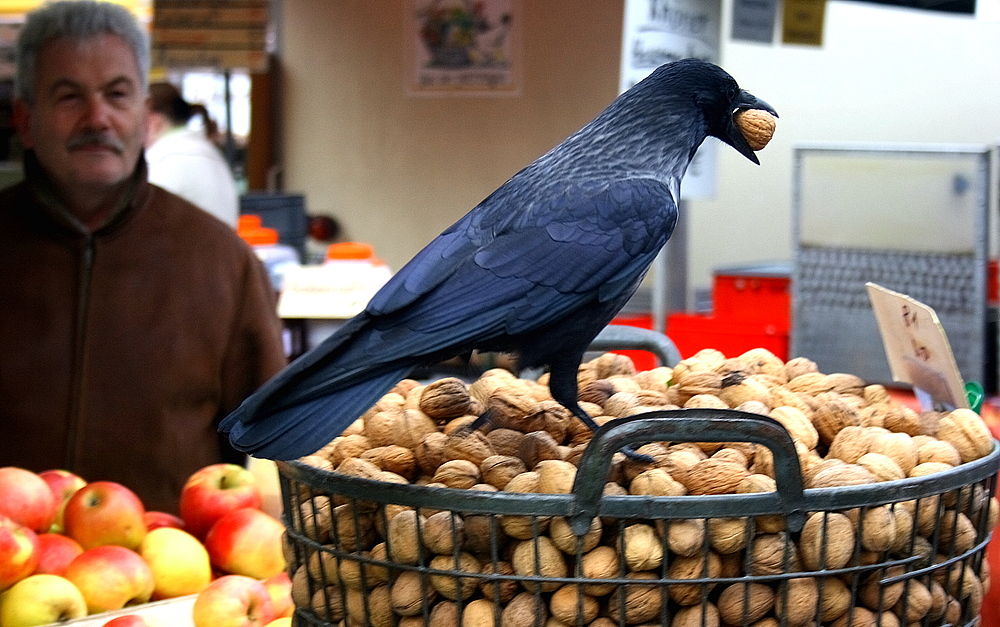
x=693 y=332
x=752 y=298
x=643 y=360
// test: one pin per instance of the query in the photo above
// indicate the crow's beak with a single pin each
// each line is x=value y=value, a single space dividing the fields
x=745 y=100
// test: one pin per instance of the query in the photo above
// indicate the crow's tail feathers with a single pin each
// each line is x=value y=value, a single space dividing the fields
x=304 y=428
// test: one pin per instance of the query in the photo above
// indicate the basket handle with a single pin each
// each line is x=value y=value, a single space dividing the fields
x=687 y=425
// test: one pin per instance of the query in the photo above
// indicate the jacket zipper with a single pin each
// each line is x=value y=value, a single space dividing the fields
x=79 y=359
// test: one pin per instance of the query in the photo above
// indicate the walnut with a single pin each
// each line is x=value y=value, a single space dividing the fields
x=827 y=541
x=797 y=424
x=702 y=615
x=704 y=565
x=714 y=476
x=748 y=602
x=571 y=606
x=642 y=603
x=458 y=473
x=795 y=601
x=539 y=557
x=498 y=470
x=898 y=446
x=966 y=431
x=501 y=590
x=478 y=613
x=537 y=446
x=799 y=365
x=555 y=476
x=442 y=532
x=450 y=586
x=656 y=482
x=370 y=607
x=831 y=417
x=429 y=452
x=468 y=445
x=841 y=475
x=728 y=535
x=445 y=399
x=772 y=554
x=551 y=417
x=407 y=594
x=884 y=468
x=850 y=444
x=393 y=458
x=525 y=610
x=600 y=563
x=642 y=548
x=509 y=406
x=411 y=427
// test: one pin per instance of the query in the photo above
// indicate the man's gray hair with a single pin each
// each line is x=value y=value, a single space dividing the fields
x=76 y=19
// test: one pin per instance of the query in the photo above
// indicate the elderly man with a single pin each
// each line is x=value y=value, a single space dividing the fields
x=133 y=322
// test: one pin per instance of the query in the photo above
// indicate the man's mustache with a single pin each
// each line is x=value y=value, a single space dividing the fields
x=104 y=140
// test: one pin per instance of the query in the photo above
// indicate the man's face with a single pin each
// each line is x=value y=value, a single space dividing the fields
x=87 y=124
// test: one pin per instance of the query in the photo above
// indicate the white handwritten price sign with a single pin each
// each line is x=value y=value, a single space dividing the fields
x=917 y=348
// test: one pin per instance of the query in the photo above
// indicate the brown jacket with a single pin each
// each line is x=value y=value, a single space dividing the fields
x=120 y=351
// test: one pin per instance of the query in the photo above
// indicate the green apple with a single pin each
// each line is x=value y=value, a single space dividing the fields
x=178 y=560
x=41 y=600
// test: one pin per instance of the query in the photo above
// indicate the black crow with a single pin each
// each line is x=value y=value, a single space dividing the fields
x=537 y=269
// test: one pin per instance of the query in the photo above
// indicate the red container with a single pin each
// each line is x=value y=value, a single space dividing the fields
x=748 y=295
x=693 y=332
x=643 y=360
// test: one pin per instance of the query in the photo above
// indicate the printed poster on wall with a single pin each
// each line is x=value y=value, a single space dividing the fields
x=659 y=31
x=464 y=47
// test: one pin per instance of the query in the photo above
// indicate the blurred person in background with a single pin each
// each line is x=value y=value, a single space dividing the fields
x=133 y=321
x=184 y=160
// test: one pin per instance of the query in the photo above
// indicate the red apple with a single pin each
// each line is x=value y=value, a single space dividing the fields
x=280 y=588
x=247 y=542
x=26 y=499
x=214 y=491
x=18 y=552
x=104 y=512
x=55 y=552
x=155 y=520
x=111 y=577
x=129 y=620
x=63 y=484
x=233 y=601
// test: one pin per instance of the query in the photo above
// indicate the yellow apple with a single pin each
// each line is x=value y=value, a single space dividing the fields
x=40 y=600
x=179 y=562
x=284 y=621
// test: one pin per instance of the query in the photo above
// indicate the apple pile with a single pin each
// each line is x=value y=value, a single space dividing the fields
x=69 y=548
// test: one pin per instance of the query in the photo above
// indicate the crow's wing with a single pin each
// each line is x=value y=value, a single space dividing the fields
x=574 y=249
x=468 y=288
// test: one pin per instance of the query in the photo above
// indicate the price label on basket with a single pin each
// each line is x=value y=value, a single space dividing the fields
x=917 y=348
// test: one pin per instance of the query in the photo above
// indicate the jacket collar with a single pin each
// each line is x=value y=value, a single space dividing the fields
x=44 y=191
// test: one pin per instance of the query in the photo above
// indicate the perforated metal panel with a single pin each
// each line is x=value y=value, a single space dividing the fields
x=912 y=219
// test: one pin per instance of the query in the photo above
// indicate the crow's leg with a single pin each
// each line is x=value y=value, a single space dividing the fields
x=565 y=390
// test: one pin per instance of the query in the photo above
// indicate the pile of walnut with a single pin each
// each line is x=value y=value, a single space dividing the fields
x=846 y=433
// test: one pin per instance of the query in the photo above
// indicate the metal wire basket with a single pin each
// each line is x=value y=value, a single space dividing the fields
x=366 y=552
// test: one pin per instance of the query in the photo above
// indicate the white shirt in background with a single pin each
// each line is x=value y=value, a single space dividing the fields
x=185 y=162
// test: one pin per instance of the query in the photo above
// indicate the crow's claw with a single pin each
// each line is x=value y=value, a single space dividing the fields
x=631 y=453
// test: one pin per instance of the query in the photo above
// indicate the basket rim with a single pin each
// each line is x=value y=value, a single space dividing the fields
x=634 y=506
